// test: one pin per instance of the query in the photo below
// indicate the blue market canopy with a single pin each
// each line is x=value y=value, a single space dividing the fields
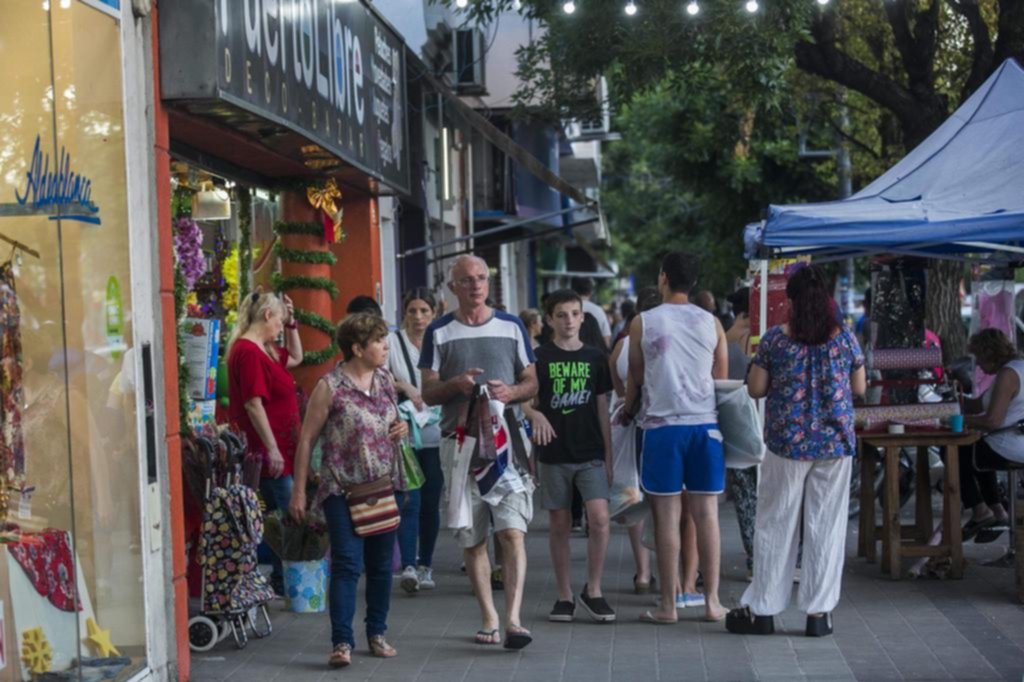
x=959 y=194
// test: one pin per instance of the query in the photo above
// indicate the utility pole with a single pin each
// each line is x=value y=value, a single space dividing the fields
x=844 y=169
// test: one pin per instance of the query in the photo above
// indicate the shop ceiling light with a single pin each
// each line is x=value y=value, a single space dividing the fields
x=752 y=6
x=569 y=7
x=693 y=8
x=630 y=8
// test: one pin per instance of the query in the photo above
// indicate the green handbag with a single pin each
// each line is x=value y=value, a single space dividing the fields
x=410 y=473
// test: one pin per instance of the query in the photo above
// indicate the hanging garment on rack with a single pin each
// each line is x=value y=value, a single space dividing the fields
x=46 y=559
x=12 y=444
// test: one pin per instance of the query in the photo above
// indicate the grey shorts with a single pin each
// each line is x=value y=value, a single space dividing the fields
x=514 y=512
x=557 y=480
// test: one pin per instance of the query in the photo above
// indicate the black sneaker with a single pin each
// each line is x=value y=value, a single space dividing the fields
x=562 y=612
x=597 y=607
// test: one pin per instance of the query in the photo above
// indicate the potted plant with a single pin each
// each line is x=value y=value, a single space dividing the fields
x=302 y=548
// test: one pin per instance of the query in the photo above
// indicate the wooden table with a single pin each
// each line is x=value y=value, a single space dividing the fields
x=900 y=541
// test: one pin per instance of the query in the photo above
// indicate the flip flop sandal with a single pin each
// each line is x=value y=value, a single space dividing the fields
x=991 y=534
x=517 y=639
x=648 y=617
x=487 y=637
x=972 y=528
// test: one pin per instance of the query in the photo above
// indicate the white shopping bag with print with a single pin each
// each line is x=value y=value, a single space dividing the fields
x=459 y=508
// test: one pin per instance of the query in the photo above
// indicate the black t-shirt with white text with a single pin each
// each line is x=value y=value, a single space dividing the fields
x=569 y=385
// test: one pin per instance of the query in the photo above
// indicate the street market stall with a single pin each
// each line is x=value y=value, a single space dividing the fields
x=956 y=196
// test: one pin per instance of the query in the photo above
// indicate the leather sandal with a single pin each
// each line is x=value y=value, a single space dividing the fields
x=380 y=648
x=341 y=656
x=742 y=621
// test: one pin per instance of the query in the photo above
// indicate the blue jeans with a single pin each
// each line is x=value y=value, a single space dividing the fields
x=350 y=554
x=430 y=502
x=409 y=527
x=277 y=494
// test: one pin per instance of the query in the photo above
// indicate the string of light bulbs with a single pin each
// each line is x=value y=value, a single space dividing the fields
x=631 y=8
x=692 y=7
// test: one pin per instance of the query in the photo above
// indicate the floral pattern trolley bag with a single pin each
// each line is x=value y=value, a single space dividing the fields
x=232 y=529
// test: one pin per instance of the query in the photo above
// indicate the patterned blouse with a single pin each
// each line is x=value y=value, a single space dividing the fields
x=354 y=440
x=810 y=401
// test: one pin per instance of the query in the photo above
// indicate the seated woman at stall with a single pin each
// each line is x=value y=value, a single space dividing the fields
x=996 y=414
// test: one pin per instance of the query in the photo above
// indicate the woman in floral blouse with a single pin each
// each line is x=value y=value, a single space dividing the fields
x=353 y=412
x=809 y=369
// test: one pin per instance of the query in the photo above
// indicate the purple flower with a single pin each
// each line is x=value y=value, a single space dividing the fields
x=188 y=250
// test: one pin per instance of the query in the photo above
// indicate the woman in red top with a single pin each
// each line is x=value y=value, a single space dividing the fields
x=262 y=394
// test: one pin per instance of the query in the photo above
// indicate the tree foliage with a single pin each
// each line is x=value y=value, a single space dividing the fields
x=899 y=67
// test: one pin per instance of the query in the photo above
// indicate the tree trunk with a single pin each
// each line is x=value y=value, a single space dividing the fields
x=942 y=313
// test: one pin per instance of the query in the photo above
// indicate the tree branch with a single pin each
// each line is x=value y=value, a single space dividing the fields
x=1010 y=40
x=983 y=55
x=823 y=58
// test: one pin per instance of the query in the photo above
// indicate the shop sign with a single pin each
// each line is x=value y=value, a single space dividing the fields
x=53 y=188
x=332 y=71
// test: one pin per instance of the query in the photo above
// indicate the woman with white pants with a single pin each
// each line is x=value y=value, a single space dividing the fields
x=809 y=369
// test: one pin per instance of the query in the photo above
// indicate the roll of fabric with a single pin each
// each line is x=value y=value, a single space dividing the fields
x=928 y=414
x=905 y=358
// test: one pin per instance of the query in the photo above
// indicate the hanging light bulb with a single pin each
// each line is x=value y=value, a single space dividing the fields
x=462 y=4
x=693 y=8
x=630 y=8
x=752 y=6
x=569 y=7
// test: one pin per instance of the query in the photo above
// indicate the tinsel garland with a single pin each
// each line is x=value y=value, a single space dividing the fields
x=181 y=205
x=311 y=319
x=285 y=283
x=283 y=227
x=319 y=357
x=244 y=240
x=304 y=257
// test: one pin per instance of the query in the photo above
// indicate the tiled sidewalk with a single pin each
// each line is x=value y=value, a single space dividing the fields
x=885 y=630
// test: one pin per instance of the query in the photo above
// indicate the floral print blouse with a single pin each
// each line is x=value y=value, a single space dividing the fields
x=354 y=440
x=810 y=400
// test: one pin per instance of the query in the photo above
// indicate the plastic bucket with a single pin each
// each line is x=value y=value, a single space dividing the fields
x=305 y=586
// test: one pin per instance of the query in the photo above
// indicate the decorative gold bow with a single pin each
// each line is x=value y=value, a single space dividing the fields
x=324 y=200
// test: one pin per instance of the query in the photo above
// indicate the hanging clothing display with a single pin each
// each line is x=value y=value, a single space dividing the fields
x=46 y=559
x=12 y=445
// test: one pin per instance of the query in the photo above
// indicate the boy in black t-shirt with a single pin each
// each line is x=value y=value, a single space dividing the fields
x=572 y=431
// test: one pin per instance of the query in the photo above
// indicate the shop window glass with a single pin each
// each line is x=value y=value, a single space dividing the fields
x=70 y=553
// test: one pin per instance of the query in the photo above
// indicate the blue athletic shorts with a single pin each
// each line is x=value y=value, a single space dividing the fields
x=682 y=457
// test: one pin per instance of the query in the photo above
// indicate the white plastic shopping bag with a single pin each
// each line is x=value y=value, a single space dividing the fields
x=740 y=423
x=459 y=508
x=625 y=500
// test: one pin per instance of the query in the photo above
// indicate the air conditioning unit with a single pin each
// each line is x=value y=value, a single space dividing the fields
x=599 y=125
x=470 y=62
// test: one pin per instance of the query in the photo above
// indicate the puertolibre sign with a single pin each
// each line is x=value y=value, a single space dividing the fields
x=331 y=71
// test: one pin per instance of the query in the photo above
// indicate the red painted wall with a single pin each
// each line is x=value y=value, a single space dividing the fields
x=357 y=271
x=161 y=151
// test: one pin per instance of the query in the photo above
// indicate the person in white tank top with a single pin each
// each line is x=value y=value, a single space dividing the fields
x=676 y=352
x=995 y=413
